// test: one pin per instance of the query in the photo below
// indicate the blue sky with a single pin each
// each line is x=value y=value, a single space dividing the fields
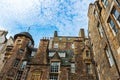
x=44 y=17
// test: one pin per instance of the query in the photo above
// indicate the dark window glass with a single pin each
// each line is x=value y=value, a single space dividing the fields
x=87 y=53
x=88 y=68
x=105 y=3
x=55 y=66
x=112 y=25
x=19 y=75
x=53 y=77
x=16 y=62
x=116 y=15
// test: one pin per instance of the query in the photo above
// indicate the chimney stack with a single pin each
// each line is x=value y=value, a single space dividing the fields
x=55 y=34
x=82 y=33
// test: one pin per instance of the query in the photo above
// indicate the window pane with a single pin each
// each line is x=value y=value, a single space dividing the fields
x=51 y=54
x=112 y=25
x=105 y=3
x=87 y=53
x=100 y=30
x=88 y=68
x=72 y=67
x=109 y=55
x=16 y=62
x=61 y=54
x=23 y=66
x=19 y=75
x=55 y=45
x=55 y=66
x=53 y=77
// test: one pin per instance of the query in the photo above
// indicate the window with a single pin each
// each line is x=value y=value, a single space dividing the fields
x=60 y=39
x=73 y=46
x=87 y=53
x=16 y=62
x=2 y=39
x=36 y=75
x=100 y=30
x=55 y=66
x=19 y=41
x=23 y=66
x=118 y=2
x=33 y=53
x=95 y=13
x=68 y=38
x=112 y=25
x=51 y=54
x=105 y=3
x=29 y=43
x=19 y=75
x=61 y=54
x=88 y=68
x=55 y=45
x=53 y=77
x=72 y=67
x=109 y=56
x=21 y=51
x=116 y=15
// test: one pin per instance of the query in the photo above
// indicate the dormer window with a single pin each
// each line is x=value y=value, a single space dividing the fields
x=62 y=54
x=51 y=54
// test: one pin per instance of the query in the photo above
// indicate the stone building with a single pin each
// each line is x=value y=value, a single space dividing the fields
x=4 y=43
x=57 y=58
x=104 y=34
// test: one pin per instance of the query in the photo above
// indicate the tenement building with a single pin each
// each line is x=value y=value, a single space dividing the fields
x=104 y=34
x=4 y=44
x=57 y=58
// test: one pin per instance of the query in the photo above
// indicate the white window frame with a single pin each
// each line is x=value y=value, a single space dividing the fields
x=109 y=56
x=105 y=3
x=51 y=54
x=116 y=17
x=55 y=45
x=111 y=27
x=100 y=29
x=23 y=66
x=88 y=68
x=72 y=67
x=73 y=46
x=62 y=54
x=54 y=77
x=55 y=67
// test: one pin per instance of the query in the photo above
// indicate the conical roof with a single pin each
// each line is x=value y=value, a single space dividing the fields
x=26 y=34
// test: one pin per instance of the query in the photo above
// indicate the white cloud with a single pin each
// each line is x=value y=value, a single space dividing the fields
x=66 y=16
